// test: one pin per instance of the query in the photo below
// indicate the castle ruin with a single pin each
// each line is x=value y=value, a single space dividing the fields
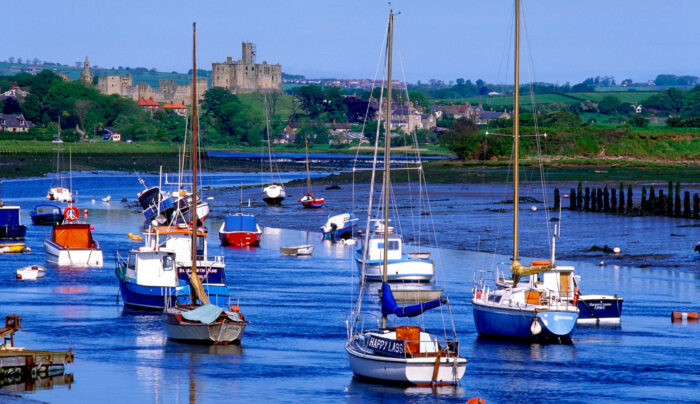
x=245 y=76
x=167 y=90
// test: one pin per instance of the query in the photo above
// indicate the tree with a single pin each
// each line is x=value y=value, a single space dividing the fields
x=81 y=109
x=462 y=139
x=608 y=104
x=316 y=134
x=311 y=98
x=638 y=121
x=333 y=104
x=419 y=99
x=11 y=106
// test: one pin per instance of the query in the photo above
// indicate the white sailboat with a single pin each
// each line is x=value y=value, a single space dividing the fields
x=60 y=193
x=198 y=320
x=401 y=354
x=536 y=309
x=272 y=194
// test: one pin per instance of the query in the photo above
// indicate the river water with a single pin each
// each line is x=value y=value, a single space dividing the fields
x=293 y=349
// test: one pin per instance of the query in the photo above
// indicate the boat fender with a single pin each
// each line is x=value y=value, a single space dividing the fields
x=535 y=327
x=235 y=308
x=478 y=294
x=71 y=213
x=576 y=293
x=475 y=400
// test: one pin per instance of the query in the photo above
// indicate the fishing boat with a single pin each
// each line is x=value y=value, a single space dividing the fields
x=339 y=227
x=155 y=203
x=405 y=354
x=45 y=215
x=73 y=245
x=31 y=272
x=309 y=200
x=12 y=231
x=152 y=274
x=198 y=320
x=541 y=308
x=59 y=193
x=240 y=230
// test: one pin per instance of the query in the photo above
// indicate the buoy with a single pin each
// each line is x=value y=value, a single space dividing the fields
x=235 y=308
x=93 y=201
x=565 y=196
x=684 y=316
x=533 y=208
x=616 y=250
x=130 y=235
x=28 y=249
x=92 y=227
x=85 y=212
x=601 y=263
x=475 y=400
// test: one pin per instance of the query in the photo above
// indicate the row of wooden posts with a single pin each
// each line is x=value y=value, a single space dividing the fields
x=611 y=200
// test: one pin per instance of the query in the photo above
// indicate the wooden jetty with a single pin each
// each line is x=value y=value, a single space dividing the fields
x=20 y=365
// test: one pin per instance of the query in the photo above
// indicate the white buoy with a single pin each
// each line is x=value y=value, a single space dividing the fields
x=616 y=250
x=533 y=208
x=601 y=263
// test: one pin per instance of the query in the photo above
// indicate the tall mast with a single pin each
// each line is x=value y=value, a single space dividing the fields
x=387 y=150
x=308 y=175
x=516 y=130
x=196 y=289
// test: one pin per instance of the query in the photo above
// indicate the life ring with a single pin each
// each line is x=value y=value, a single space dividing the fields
x=71 y=213
x=540 y=263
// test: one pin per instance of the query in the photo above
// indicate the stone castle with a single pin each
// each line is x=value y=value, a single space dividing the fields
x=167 y=90
x=245 y=76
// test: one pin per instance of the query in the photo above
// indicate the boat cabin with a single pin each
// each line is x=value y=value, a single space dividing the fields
x=73 y=236
x=375 y=251
x=152 y=267
x=558 y=279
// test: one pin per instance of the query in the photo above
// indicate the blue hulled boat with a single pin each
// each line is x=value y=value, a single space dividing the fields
x=12 y=231
x=541 y=308
x=46 y=215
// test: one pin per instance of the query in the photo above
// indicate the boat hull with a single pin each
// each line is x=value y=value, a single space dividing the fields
x=239 y=238
x=599 y=309
x=405 y=371
x=312 y=203
x=219 y=332
x=277 y=200
x=516 y=322
x=12 y=247
x=57 y=254
x=47 y=220
x=155 y=297
x=31 y=272
x=398 y=270
x=298 y=250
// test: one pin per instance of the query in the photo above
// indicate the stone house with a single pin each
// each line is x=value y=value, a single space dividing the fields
x=149 y=105
x=14 y=123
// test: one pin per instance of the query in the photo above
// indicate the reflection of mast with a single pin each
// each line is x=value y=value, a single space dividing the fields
x=196 y=289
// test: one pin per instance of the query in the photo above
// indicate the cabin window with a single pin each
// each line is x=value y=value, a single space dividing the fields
x=168 y=263
x=200 y=245
x=495 y=298
x=132 y=262
x=393 y=245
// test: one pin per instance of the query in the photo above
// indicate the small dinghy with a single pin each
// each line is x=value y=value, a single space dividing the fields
x=31 y=272
x=294 y=251
x=107 y=198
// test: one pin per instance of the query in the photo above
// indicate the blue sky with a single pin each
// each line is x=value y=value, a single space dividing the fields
x=568 y=40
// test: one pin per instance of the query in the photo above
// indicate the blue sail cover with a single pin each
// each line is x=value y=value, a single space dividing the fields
x=9 y=216
x=389 y=305
x=245 y=223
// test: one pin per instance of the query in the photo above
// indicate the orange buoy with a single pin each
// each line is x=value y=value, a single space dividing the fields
x=681 y=315
x=540 y=263
x=476 y=400
x=235 y=308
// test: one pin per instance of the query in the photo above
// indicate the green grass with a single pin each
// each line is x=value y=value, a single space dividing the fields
x=99 y=147
x=283 y=108
x=506 y=101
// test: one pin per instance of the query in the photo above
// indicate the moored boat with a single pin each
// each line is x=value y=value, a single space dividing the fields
x=46 y=215
x=240 y=230
x=339 y=227
x=31 y=272
x=12 y=231
x=73 y=245
x=400 y=266
x=293 y=251
x=309 y=200
x=274 y=194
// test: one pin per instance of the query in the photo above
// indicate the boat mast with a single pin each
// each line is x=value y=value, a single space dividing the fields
x=269 y=142
x=58 y=155
x=308 y=175
x=387 y=150
x=516 y=130
x=196 y=289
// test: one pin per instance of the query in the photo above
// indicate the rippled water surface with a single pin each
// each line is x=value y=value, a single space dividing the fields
x=293 y=349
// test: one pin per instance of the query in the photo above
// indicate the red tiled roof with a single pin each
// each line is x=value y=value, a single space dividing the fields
x=174 y=105
x=147 y=103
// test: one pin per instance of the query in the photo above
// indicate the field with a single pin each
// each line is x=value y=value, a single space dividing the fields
x=506 y=101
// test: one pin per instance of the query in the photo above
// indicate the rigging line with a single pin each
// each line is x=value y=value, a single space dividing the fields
x=540 y=159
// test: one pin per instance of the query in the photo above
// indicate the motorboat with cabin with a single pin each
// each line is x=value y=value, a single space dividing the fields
x=12 y=231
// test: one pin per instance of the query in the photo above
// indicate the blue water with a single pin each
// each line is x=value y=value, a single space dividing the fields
x=293 y=349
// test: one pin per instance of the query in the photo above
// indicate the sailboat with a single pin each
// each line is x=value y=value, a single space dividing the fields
x=539 y=309
x=197 y=320
x=59 y=193
x=272 y=194
x=401 y=354
x=309 y=200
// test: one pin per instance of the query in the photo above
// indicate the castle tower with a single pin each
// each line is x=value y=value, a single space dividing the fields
x=247 y=53
x=85 y=75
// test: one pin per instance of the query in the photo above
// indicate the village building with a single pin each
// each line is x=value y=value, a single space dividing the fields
x=86 y=75
x=14 y=123
x=246 y=76
x=149 y=105
x=176 y=107
x=14 y=92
